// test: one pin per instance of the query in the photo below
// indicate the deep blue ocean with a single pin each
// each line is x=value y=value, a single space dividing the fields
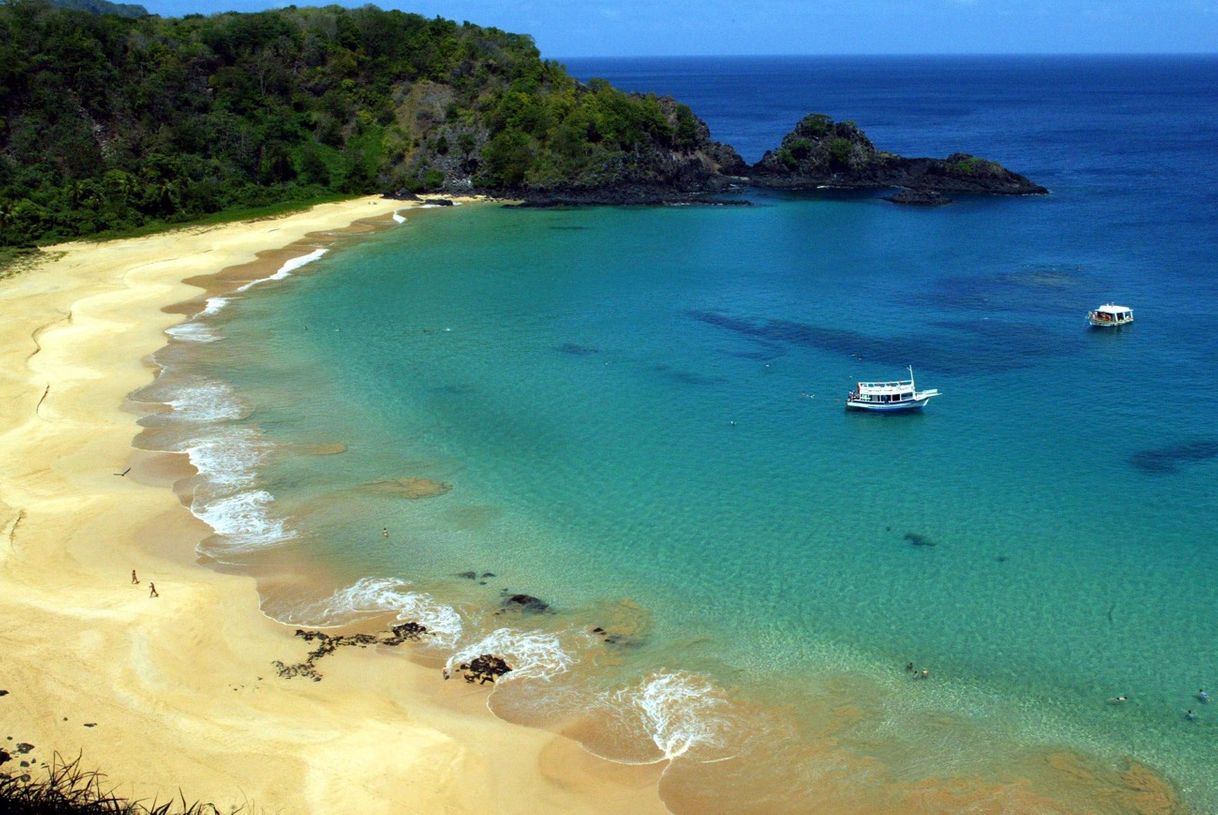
x=636 y=415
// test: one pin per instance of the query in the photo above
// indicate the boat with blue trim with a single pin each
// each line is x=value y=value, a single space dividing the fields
x=889 y=397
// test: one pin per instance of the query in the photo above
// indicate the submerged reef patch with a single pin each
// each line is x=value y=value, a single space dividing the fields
x=412 y=488
x=1168 y=460
x=963 y=347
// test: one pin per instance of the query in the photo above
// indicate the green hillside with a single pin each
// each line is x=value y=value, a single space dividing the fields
x=110 y=122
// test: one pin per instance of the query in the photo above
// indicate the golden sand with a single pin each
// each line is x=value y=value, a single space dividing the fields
x=178 y=691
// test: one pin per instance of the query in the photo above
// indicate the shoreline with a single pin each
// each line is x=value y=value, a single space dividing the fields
x=177 y=692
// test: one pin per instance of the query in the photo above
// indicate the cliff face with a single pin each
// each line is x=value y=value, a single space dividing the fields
x=822 y=153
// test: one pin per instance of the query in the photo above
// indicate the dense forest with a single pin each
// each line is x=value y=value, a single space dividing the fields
x=108 y=122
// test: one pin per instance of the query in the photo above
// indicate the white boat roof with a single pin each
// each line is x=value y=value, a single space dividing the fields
x=898 y=386
x=1113 y=309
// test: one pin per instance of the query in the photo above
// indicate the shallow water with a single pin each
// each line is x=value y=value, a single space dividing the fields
x=638 y=413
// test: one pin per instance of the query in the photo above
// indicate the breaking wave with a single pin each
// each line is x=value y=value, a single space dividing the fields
x=286 y=269
x=244 y=520
x=678 y=710
x=375 y=595
x=193 y=332
x=205 y=400
x=532 y=654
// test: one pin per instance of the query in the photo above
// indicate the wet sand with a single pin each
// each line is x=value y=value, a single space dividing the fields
x=178 y=691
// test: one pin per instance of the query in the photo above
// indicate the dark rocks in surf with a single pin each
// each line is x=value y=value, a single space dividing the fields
x=1168 y=460
x=468 y=575
x=483 y=669
x=614 y=637
x=527 y=603
x=404 y=632
x=918 y=540
x=327 y=644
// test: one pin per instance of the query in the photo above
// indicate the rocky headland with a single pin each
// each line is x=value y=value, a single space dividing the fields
x=818 y=154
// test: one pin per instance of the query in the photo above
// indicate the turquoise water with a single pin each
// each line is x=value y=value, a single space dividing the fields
x=647 y=404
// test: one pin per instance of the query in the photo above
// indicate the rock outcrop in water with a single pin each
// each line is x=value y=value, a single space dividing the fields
x=820 y=153
x=483 y=669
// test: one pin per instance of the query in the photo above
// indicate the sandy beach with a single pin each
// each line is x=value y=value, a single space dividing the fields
x=177 y=693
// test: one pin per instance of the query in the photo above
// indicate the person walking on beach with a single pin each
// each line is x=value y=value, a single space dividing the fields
x=153 y=592
x=135 y=581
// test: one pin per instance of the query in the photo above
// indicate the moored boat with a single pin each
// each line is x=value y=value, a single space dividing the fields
x=889 y=397
x=1110 y=315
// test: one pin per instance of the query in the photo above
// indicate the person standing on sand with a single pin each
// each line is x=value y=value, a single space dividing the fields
x=153 y=592
x=135 y=581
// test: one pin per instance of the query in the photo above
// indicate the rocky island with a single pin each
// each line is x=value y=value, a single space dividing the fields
x=820 y=153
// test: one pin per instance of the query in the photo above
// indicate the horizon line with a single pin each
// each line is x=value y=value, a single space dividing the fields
x=903 y=55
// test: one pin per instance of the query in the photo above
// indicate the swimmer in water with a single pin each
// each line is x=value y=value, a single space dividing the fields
x=1116 y=700
x=1203 y=696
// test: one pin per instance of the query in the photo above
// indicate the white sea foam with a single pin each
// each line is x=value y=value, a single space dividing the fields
x=213 y=306
x=531 y=654
x=227 y=460
x=678 y=710
x=373 y=595
x=192 y=332
x=245 y=521
x=205 y=400
x=286 y=269
x=398 y=217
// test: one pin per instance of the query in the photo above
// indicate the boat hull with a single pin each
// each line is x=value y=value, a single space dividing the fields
x=889 y=407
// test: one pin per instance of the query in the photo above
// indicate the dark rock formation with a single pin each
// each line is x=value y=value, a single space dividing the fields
x=822 y=153
x=483 y=669
x=403 y=632
x=527 y=603
x=920 y=198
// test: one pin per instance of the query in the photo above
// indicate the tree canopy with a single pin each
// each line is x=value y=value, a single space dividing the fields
x=110 y=122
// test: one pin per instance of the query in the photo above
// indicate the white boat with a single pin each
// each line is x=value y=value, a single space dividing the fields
x=901 y=394
x=1110 y=315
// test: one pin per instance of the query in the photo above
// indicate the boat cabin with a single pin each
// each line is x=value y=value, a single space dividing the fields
x=1110 y=314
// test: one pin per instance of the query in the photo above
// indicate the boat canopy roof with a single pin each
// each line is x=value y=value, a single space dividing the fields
x=898 y=386
x=1109 y=308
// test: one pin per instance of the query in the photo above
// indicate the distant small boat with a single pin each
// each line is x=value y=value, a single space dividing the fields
x=901 y=394
x=1110 y=316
